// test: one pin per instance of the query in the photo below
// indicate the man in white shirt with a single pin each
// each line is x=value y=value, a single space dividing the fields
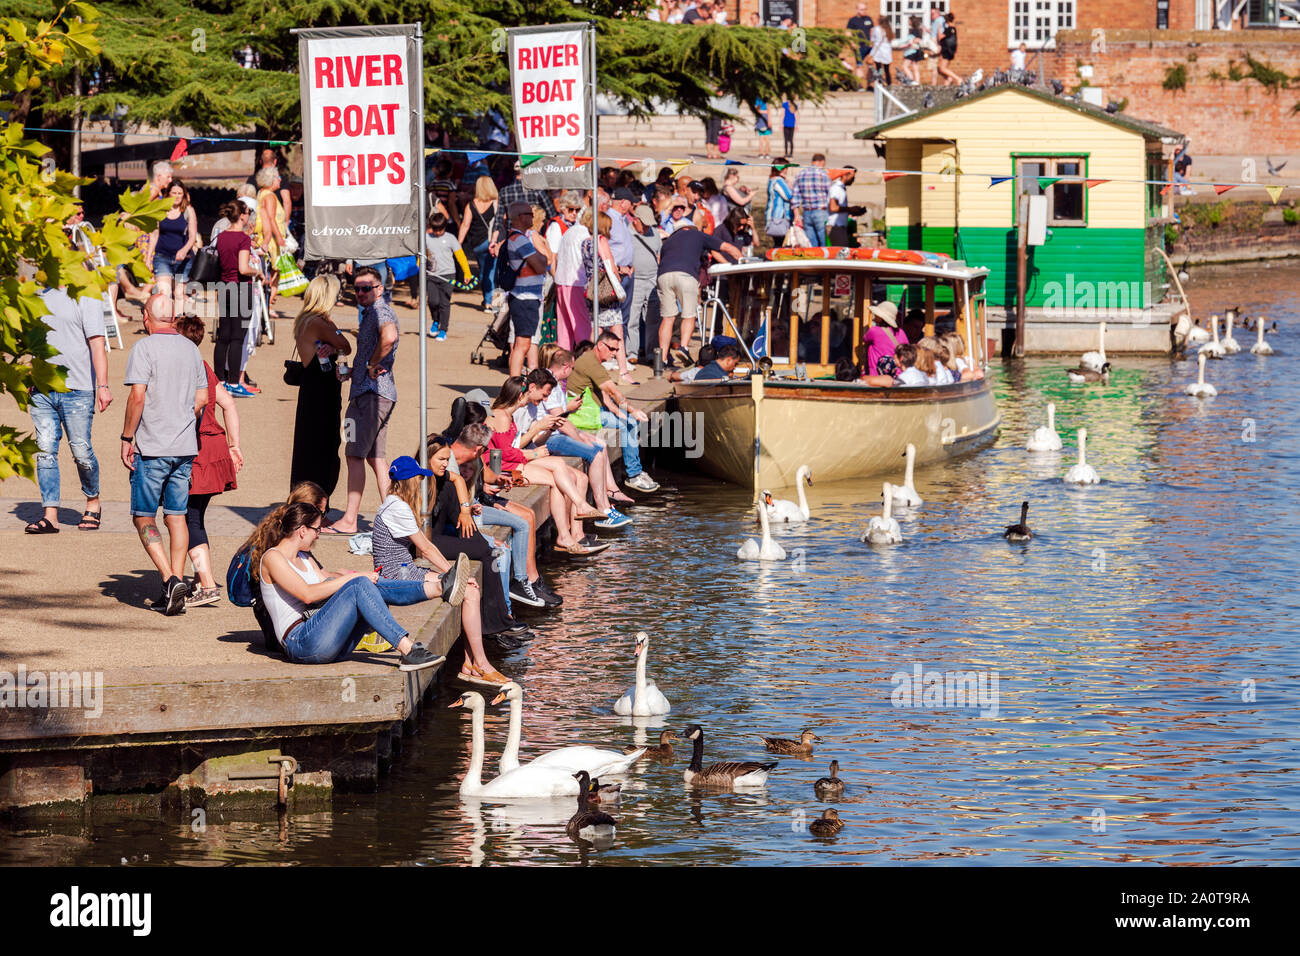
x=837 y=221
x=1018 y=58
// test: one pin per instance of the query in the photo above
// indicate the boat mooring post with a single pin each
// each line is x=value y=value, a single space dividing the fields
x=1022 y=265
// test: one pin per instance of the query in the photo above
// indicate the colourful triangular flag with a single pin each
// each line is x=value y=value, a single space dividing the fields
x=678 y=165
x=1046 y=181
x=472 y=158
x=835 y=173
x=527 y=159
x=886 y=177
x=995 y=180
x=1168 y=187
x=733 y=162
x=182 y=148
x=580 y=161
x=1221 y=188
x=1274 y=192
x=625 y=163
x=1089 y=183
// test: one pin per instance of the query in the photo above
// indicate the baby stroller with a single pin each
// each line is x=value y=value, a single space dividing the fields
x=497 y=332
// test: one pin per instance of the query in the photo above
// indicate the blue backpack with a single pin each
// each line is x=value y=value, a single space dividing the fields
x=505 y=276
x=239 y=579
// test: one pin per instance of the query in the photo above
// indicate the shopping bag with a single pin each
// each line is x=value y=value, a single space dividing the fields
x=292 y=281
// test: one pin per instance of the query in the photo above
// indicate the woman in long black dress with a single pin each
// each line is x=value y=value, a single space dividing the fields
x=320 y=396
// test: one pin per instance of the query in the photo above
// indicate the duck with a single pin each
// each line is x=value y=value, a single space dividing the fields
x=643 y=698
x=828 y=824
x=780 y=510
x=1201 y=388
x=882 y=528
x=724 y=775
x=1096 y=360
x=1213 y=348
x=1260 y=347
x=1020 y=532
x=1272 y=329
x=1230 y=345
x=1082 y=473
x=586 y=822
x=832 y=787
x=905 y=495
x=594 y=760
x=1083 y=375
x=664 y=751
x=1198 y=334
x=598 y=792
x=769 y=550
x=1045 y=437
x=802 y=747
x=525 y=783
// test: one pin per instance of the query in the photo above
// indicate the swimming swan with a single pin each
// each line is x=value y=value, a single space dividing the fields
x=1200 y=388
x=594 y=760
x=1045 y=437
x=769 y=550
x=882 y=528
x=905 y=495
x=1213 y=348
x=1230 y=345
x=643 y=699
x=525 y=783
x=1095 y=360
x=780 y=510
x=1082 y=473
x=1261 y=347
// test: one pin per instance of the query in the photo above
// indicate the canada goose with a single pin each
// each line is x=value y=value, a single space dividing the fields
x=723 y=775
x=1213 y=348
x=883 y=528
x=1230 y=345
x=802 y=747
x=780 y=510
x=832 y=787
x=769 y=550
x=578 y=757
x=586 y=822
x=1200 y=388
x=528 y=782
x=1020 y=532
x=1045 y=437
x=644 y=699
x=1084 y=375
x=662 y=752
x=1260 y=347
x=599 y=792
x=827 y=825
x=1096 y=360
x=1082 y=473
x=905 y=495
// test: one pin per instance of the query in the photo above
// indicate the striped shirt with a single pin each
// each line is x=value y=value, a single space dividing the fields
x=812 y=188
x=778 y=199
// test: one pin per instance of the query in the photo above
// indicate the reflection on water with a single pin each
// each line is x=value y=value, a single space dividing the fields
x=1144 y=645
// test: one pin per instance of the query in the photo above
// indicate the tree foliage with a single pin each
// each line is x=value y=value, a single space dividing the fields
x=174 y=61
x=35 y=201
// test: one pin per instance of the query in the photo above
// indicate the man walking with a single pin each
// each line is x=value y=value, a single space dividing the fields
x=77 y=335
x=643 y=329
x=840 y=210
x=525 y=299
x=372 y=396
x=620 y=245
x=811 y=199
x=169 y=388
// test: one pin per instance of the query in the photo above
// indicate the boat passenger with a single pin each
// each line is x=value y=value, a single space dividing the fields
x=722 y=366
x=908 y=358
x=939 y=374
x=957 y=349
x=883 y=339
x=846 y=371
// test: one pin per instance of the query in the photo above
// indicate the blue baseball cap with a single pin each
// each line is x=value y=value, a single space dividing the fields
x=407 y=467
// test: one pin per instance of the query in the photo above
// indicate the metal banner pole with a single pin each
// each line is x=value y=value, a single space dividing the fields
x=421 y=205
x=595 y=182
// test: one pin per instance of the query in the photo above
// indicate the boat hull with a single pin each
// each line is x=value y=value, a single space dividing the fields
x=839 y=430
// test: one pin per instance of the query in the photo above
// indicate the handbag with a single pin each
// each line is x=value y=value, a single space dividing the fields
x=207 y=266
x=292 y=281
x=293 y=370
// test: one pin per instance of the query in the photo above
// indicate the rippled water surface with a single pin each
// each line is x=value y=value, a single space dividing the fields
x=1143 y=644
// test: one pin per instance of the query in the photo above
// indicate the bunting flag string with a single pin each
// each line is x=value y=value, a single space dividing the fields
x=580 y=161
x=182 y=149
x=625 y=163
x=1046 y=181
x=998 y=180
x=1089 y=183
x=678 y=165
x=886 y=177
x=1166 y=190
x=1274 y=192
x=527 y=159
x=1221 y=188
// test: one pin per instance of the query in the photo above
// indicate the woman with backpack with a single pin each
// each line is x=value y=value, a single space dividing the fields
x=948 y=50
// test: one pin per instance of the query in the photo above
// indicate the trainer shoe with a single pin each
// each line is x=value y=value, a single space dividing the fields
x=523 y=592
x=504 y=641
x=454 y=580
x=442 y=335
x=175 y=592
x=614 y=519
x=418 y=658
x=433 y=331
x=201 y=597
x=239 y=391
x=642 y=482
x=543 y=590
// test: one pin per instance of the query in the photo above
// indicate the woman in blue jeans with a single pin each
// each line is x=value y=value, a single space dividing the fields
x=353 y=604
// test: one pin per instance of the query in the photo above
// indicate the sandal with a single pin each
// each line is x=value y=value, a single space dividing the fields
x=470 y=674
x=41 y=527
x=89 y=521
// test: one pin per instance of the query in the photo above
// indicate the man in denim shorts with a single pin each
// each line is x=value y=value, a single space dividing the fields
x=169 y=388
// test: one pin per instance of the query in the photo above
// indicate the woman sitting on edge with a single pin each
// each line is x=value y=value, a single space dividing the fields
x=319 y=618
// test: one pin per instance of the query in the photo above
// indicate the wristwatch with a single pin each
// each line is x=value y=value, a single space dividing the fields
x=466 y=504
x=128 y=438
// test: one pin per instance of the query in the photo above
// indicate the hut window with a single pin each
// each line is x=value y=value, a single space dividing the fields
x=1065 y=196
x=1035 y=22
x=897 y=13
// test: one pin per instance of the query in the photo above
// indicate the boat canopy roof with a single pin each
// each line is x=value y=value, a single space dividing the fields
x=950 y=270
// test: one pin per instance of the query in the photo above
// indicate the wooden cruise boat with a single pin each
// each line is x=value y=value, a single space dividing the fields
x=794 y=317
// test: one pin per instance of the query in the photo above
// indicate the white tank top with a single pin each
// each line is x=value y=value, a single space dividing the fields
x=284 y=608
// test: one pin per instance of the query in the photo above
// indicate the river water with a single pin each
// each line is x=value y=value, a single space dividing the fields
x=1143 y=647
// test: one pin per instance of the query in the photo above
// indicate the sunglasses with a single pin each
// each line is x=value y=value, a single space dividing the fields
x=365 y=288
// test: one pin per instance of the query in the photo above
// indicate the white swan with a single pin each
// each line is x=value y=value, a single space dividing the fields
x=1095 y=360
x=525 y=783
x=1200 y=388
x=882 y=528
x=595 y=761
x=781 y=510
x=1045 y=437
x=1197 y=335
x=1082 y=473
x=643 y=699
x=1261 y=347
x=905 y=495
x=769 y=550
x=1230 y=345
x=1213 y=348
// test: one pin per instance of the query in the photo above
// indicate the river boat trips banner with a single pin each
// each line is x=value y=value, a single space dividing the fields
x=360 y=89
x=548 y=69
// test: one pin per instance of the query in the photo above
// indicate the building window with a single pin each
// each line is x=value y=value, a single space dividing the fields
x=1065 y=198
x=898 y=12
x=1035 y=22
